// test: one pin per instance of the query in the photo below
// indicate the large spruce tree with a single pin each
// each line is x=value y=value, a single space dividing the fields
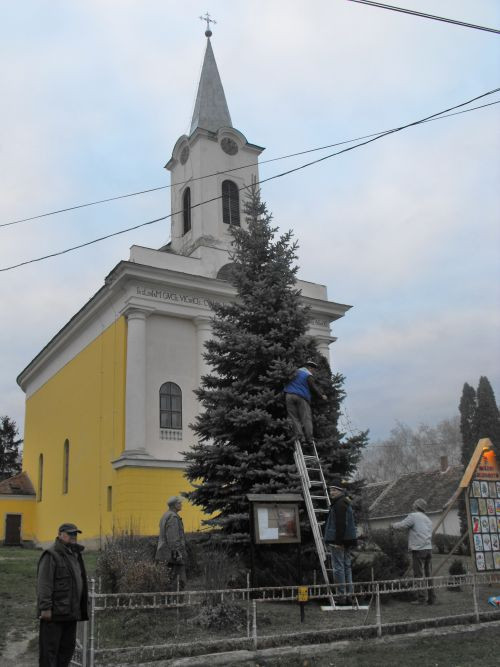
x=245 y=442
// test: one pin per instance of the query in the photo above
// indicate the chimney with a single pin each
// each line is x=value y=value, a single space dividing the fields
x=444 y=463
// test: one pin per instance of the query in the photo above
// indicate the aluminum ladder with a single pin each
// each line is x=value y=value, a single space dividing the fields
x=317 y=502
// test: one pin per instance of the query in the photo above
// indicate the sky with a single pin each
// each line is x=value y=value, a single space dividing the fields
x=95 y=94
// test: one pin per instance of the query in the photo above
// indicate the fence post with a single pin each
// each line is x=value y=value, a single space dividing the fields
x=85 y=641
x=474 y=596
x=92 y=623
x=254 y=625
x=378 y=614
x=248 y=605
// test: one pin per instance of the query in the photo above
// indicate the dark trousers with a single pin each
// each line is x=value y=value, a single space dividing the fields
x=56 y=643
x=299 y=411
x=422 y=567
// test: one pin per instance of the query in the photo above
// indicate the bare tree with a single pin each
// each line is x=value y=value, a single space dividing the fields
x=409 y=450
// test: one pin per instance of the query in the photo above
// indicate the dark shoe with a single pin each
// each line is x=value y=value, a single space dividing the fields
x=342 y=602
x=433 y=601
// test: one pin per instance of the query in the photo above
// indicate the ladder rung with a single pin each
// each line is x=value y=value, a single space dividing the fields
x=319 y=497
x=310 y=456
x=322 y=511
x=315 y=482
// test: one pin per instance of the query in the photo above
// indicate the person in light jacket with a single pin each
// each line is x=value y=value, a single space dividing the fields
x=419 y=528
x=171 y=547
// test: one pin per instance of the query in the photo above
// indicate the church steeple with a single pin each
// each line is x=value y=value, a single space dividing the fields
x=210 y=170
x=210 y=110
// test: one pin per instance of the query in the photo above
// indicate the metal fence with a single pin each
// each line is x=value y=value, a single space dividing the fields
x=136 y=627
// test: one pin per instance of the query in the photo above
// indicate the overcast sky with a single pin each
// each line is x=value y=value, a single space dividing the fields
x=406 y=230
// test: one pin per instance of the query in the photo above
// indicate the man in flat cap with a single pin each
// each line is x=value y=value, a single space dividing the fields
x=419 y=528
x=341 y=539
x=299 y=393
x=171 y=547
x=62 y=597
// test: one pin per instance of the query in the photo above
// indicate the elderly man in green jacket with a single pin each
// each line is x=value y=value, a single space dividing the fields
x=171 y=547
x=62 y=597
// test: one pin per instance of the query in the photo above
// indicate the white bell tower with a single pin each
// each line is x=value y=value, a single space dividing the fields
x=214 y=164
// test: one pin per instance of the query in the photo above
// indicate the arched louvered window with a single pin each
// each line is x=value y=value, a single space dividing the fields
x=170 y=406
x=40 y=478
x=65 y=466
x=186 y=210
x=230 y=203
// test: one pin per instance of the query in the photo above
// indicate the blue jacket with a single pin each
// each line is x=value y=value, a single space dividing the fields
x=340 y=527
x=299 y=385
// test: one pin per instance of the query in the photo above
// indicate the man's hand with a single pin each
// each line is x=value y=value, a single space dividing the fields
x=46 y=615
x=324 y=397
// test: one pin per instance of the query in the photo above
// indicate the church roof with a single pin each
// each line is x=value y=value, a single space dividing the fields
x=210 y=110
x=391 y=499
x=19 y=485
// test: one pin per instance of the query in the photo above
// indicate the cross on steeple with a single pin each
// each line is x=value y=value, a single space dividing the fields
x=208 y=32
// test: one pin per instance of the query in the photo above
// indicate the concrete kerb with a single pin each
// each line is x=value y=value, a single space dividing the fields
x=246 y=658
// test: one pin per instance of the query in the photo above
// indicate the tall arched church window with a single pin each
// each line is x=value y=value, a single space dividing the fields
x=186 y=210
x=65 y=466
x=40 y=478
x=170 y=406
x=230 y=203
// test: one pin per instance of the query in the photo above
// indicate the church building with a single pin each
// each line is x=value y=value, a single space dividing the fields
x=110 y=398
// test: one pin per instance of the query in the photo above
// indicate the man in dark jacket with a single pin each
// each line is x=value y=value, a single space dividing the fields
x=340 y=538
x=299 y=393
x=62 y=597
x=171 y=547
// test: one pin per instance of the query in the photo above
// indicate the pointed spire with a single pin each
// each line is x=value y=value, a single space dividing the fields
x=210 y=110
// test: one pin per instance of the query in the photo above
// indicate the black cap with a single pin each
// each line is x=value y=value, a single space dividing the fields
x=68 y=528
x=337 y=482
x=311 y=363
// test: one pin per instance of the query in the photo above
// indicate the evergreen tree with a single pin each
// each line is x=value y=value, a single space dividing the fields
x=10 y=458
x=487 y=414
x=245 y=442
x=468 y=426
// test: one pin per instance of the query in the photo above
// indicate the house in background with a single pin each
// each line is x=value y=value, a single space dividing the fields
x=17 y=504
x=387 y=502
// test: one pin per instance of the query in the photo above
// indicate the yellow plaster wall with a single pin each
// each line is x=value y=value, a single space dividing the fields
x=142 y=495
x=83 y=402
x=18 y=505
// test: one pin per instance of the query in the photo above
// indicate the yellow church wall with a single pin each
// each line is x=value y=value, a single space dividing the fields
x=83 y=403
x=142 y=495
x=25 y=506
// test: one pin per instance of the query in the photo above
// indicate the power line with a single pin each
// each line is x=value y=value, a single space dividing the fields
x=265 y=180
x=228 y=171
x=402 y=10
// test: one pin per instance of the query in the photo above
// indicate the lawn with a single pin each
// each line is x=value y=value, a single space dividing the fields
x=140 y=628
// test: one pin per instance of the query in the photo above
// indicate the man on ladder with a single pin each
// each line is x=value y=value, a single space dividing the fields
x=299 y=393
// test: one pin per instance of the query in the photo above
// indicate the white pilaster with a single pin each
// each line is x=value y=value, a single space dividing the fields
x=135 y=402
x=323 y=343
x=203 y=333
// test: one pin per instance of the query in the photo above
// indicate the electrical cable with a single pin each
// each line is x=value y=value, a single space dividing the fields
x=381 y=5
x=265 y=180
x=228 y=171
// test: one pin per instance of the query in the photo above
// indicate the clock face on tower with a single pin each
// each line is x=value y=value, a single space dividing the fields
x=184 y=155
x=229 y=146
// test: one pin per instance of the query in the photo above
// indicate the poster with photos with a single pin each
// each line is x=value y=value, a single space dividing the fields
x=484 y=513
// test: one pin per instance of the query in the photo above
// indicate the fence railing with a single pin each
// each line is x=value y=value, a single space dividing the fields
x=163 y=608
